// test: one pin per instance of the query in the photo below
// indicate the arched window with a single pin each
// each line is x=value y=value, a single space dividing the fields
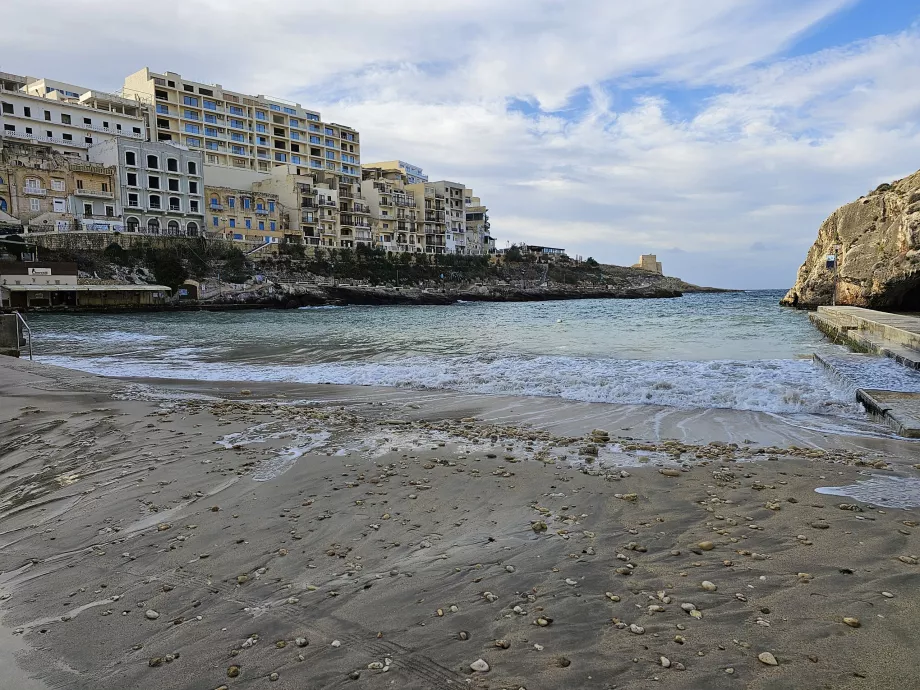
x=191 y=229
x=172 y=165
x=153 y=162
x=192 y=168
x=132 y=224
x=153 y=226
x=172 y=228
x=174 y=204
x=215 y=201
x=2 y=204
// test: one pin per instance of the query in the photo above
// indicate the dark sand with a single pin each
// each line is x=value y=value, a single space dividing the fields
x=387 y=535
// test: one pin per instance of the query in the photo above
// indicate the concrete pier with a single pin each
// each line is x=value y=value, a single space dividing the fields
x=888 y=388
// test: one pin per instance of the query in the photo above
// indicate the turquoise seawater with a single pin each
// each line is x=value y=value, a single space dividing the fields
x=732 y=350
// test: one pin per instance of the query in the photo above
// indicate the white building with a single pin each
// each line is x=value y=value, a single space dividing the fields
x=67 y=117
x=455 y=216
x=160 y=188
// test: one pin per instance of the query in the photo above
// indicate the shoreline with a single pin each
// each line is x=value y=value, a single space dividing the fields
x=298 y=296
x=154 y=537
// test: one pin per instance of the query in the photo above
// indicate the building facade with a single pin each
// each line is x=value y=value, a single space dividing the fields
x=47 y=191
x=243 y=215
x=66 y=117
x=649 y=262
x=160 y=185
x=478 y=238
x=413 y=173
x=244 y=131
x=394 y=211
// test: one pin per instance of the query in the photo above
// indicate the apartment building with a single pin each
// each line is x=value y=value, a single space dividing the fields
x=46 y=191
x=478 y=238
x=432 y=217
x=160 y=185
x=250 y=132
x=243 y=215
x=451 y=195
x=67 y=117
x=393 y=208
x=413 y=173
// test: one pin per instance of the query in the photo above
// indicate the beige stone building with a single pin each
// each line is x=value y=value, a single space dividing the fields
x=66 y=117
x=413 y=173
x=478 y=237
x=46 y=191
x=649 y=262
x=243 y=215
x=250 y=132
x=394 y=211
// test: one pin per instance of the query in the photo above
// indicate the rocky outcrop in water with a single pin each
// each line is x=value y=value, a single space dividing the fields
x=877 y=243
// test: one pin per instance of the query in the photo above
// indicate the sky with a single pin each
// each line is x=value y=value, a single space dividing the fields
x=717 y=134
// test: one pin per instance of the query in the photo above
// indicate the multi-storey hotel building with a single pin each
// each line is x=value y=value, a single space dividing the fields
x=243 y=131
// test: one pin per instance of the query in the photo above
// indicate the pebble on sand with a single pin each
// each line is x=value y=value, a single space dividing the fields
x=152 y=615
x=480 y=666
x=233 y=672
x=708 y=586
x=706 y=545
x=852 y=622
x=768 y=659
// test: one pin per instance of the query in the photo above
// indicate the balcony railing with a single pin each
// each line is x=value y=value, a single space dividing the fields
x=94 y=193
x=262 y=211
x=216 y=207
x=46 y=140
x=35 y=191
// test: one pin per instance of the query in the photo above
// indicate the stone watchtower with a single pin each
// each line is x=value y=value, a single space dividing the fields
x=649 y=262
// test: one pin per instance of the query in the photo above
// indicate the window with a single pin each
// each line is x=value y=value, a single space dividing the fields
x=48 y=116
x=261 y=128
x=247 y=202
x=271 y=226
x=8 y=109
x=192 y=187
x=132 y=179
x=192 y=168
x=238 y=150
x=130 y=158
x=190 y=115
x=192 y=229
x=211 y=146
x=58 y=205
x=105 y=186
x=295 y=122
x=187 y=87
x=271 y=206
x=212 y=119
x=162 y=124
x=192 y=141
x=249 y=223
x=190 y=100
x=295 y=159
x=236 y=123
x=162 y=95
x=87 y=140
x=193 y=205
x=153 y=226
x=262 y=141
x=162 y=109
x=233 y=222
x=192 y=129
x=87 y=121
x=132 y=224
x=153 y=182
x=67 y=137
x=212 y=159
x=110 y=211
x=281 y=157
x=237 y=136
x=174 y=204
x=295 y=135
x=172 y=165
x=65 y=119
x=272 y=106
x=136 y=130
x=261 y=225
x=330 y=142
x=210 y=105
x=27 y=111
x=329 y=131
x=236 y=110
x=153 y=162
x=87 y=209
x=155 y=201
x=205 y=92
x=289 y=111
x=260 y=115
x=35 y=205
x=330 y=155
x=79 y=184
x=315 y=140
x=57 y=185
x=132 y=199
x=311 y=116
x=173 y=185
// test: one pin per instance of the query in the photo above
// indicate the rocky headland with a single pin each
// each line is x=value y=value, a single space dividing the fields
x=876 y=240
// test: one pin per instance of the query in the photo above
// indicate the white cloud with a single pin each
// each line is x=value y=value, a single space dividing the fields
x=636 y=159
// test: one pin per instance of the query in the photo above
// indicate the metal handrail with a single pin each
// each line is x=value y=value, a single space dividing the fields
x=20 y=319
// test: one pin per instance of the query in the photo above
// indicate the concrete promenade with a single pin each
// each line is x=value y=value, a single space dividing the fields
x=888 y=391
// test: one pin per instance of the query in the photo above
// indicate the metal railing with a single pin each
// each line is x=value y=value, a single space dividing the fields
x=22 y=321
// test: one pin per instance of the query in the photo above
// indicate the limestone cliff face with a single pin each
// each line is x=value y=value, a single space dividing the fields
x=877 y=243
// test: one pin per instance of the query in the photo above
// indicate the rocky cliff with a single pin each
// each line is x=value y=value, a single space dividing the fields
x=877 y=243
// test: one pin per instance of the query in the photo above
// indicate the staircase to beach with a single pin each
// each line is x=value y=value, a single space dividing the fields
x=885 y=367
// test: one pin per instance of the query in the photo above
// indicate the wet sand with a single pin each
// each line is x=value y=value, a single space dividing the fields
x=375 y=538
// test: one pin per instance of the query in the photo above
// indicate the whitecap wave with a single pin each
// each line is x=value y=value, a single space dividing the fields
x=779 y=386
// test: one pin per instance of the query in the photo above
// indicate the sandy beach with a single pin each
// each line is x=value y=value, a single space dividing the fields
x=188 y=535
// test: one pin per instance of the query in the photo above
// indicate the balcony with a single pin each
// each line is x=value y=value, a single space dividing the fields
x=94 y=193
x=35 y=191
x=216 y=207
x=46 y=140
x=262 y=211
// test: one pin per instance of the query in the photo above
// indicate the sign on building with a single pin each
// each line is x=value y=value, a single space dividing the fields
x=39 y=271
